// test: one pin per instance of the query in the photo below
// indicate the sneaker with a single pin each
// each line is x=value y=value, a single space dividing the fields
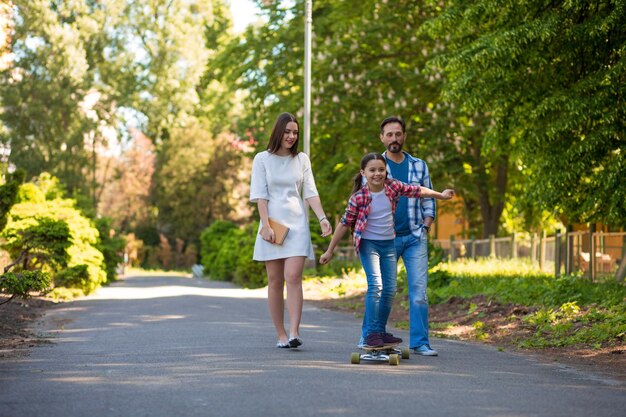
x=425 y=350
x=282 y=345
x=374 y=340
x=294 y=342
x=389 y=338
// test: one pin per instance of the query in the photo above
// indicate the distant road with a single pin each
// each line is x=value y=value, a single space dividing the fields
x=172 y=346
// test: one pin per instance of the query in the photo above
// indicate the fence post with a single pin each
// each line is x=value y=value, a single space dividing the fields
x=514 y=246
x=592 y=252
x=568 y=252
x=557 y=253
x=542 y=250
x=473 y=249
x=533 y=248
x=492 y=246
x=452 y=254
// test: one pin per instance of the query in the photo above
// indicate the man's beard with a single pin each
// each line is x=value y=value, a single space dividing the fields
x=394 y=147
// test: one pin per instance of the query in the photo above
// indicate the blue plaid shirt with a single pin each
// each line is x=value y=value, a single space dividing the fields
x=418 y=208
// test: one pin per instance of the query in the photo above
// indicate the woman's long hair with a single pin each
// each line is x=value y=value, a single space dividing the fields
x=276 y=137
x=358 y=178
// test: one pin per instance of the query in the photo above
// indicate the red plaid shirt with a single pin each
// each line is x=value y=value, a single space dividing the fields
x=360 y=202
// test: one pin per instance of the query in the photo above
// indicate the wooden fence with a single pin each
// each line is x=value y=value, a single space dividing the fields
x=563 y=253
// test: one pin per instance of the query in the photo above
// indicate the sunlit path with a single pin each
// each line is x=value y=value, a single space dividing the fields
x=173 y=346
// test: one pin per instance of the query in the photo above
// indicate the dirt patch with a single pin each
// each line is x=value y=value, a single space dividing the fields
x=500 y=325
x=17 y=319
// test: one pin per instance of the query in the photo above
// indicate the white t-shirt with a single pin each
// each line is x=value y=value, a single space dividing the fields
x=380 y=219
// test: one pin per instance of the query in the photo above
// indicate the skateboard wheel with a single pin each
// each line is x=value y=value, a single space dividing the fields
x=394 y=359
x=406 y=353
x=355 y=358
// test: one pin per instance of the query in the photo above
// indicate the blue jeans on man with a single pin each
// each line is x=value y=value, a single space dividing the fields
x=414 y=254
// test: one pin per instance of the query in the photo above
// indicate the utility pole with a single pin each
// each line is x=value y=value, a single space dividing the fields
x=308 y=22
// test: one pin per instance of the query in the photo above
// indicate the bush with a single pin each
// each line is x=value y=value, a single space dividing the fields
x=21 y=284
x=111 y=246
x=83 y=236
x=227 y=255
x=211 y=241
x=75 y=277
x=249 y=273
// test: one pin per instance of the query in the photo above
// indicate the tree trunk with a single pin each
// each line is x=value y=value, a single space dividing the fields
x=491 y=211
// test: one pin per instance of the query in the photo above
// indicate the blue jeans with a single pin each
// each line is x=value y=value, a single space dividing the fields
x=378 y=258
x=414 y=254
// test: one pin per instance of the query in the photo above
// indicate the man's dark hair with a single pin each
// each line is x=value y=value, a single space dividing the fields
x=392 y=119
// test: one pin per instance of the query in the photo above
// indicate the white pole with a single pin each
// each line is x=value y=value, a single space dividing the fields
x=308 y=20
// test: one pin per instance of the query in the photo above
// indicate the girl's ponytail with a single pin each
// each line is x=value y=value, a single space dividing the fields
x=357 y=183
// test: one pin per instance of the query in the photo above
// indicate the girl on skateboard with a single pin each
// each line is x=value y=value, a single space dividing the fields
x=370 y=214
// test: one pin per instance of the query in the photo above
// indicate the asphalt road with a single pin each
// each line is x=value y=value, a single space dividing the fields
x=168 y=346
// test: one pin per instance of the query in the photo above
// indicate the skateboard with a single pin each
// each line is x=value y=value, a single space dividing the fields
x=387 y=353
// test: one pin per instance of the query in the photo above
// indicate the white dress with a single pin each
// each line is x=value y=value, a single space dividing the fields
x=285 y=181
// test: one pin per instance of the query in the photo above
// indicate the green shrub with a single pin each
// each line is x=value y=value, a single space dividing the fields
x=249 y=273
x=83 y=236
x=211 y=240
x=9 y=195
x=75 y=277
x=111 y=247
x=226 y=253
x=226 y=257
x=41 y=245
x=21 y=284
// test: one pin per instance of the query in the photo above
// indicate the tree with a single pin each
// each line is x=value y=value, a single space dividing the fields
x=369 y=61
x=200 y=181
x=126 y=197
x=53 y=99
x=551 y=76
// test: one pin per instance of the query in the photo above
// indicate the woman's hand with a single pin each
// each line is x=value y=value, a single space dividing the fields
x=325 y=258
x=448 y=194
x=327 y=229
x=267 y=233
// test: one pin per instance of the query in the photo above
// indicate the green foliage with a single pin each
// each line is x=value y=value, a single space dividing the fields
x=43 y=245
x=517 y=282
x=75 y=277
x=226 y=253
x=111 y=246
x=551 y=77
x=79 y=243
x=21 y=284
x=211 y=240
x=249 y=273
x=8 y=195
x=569 y=310
x=30 y=193
x=199 y=180
x=571 y=325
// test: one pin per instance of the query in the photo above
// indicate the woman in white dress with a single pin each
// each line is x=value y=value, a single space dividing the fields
x=280 y=183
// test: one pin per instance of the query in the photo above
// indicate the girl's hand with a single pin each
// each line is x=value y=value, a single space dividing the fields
x=325 y=258
x=267 y=233
x=448 y=194
x=327 y=229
